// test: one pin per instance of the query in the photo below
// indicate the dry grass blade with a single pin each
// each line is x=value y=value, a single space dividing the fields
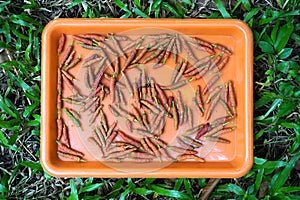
x=206 y=191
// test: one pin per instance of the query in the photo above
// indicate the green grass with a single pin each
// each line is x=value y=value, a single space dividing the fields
x=275 y=173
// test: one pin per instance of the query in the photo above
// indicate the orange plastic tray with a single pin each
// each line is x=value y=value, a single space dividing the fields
x=223 y=160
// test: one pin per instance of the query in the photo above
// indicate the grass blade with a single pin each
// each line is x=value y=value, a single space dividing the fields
x=178 y=183
x=121 y=5
x=169 y=193
x=187 y=186
x=5 y=107
x=231 y=188
x=91 y=187
x=259 y=178
x=272 y=107
x=7 y=143
x=286 y=108
x=283 y=37
x=74 y=3
x=222 y=9
x=140 y=13
x=168 y=7
x=74 y=194
x=279 y=179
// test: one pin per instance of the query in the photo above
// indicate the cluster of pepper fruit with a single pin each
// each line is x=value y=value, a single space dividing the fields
x=150 y=105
